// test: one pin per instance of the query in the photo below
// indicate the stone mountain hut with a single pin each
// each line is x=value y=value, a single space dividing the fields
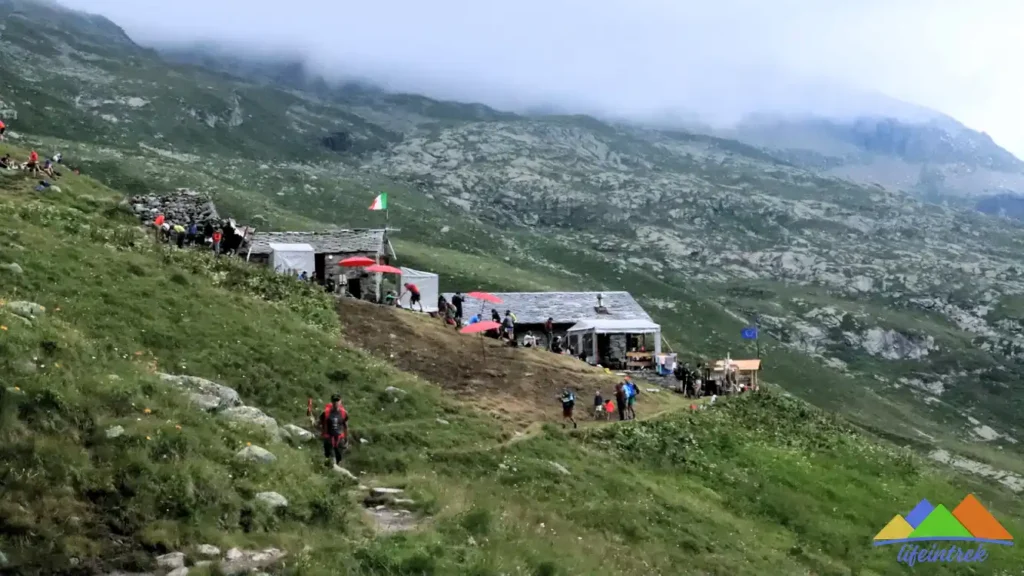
x=603 y=325
x=329 y=248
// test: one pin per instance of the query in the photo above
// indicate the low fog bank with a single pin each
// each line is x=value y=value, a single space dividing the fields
x=638 y=58
x=712 y=98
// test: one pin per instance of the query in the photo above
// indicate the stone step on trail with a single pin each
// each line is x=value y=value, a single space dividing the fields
x=378 y=506
x=381 y=491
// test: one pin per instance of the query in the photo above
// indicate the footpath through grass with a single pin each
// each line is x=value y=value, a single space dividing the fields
x=756 y=485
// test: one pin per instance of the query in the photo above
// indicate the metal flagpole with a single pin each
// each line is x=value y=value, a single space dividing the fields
x=757 y=336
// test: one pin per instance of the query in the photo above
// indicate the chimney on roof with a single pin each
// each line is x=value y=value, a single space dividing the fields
x=600 y=309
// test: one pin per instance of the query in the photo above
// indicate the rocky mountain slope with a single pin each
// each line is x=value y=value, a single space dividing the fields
x=937 y=157
x=903 y=314
x=153 y=422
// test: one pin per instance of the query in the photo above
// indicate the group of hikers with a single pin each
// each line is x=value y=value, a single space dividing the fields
x=624 y=403
x=451 y=313
x=47 y=168
x=698 y=382
x=221 y=240
x=333 y=419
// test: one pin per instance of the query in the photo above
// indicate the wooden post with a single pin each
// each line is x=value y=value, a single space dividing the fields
x=379 y=276
x=249 y=252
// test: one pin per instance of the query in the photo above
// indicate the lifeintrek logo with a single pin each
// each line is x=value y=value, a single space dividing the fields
x=927 y=534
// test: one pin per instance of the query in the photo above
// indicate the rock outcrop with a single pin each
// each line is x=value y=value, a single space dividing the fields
x=272 y=499
x=247 y=561
x=256 y=454
x=179 y=207
x=296 y=433
x=254 y=416
x=27 y=310
x=205 y=394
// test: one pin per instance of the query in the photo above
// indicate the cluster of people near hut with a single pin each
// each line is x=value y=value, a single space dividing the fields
x=221 y=239
x=451 y=313
x=705 y=381
x=622 y=402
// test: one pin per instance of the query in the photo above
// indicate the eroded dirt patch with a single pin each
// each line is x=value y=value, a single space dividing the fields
x=480 y=371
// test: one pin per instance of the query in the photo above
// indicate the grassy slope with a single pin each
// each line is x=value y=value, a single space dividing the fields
x=253 y=170
x=763 y=485
x=470 y=253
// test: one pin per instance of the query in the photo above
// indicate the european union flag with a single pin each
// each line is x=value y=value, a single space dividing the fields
x=749 y=333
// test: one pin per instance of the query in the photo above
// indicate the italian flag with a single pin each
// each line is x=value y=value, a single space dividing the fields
x=380 y=202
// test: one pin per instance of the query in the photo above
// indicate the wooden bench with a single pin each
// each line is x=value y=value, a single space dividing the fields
x=639 y=360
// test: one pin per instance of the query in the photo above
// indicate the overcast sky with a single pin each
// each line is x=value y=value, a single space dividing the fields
x=720 y=58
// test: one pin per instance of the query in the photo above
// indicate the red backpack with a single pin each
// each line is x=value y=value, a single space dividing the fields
x=334 y=420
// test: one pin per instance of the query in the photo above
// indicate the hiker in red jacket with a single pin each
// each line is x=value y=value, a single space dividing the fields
x=33 y=163
x=414 y=295
x=216 y=242
x=334 y=430
x=3 y=130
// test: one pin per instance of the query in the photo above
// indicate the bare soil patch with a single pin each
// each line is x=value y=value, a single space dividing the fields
x=514 y=382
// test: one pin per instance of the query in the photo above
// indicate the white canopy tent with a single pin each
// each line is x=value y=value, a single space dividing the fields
x=609 y=326
x=293 y=258
x=427 y=283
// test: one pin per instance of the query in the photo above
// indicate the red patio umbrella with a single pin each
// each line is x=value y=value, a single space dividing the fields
x=480 y=327
x=485 y=296
x=383 y=269
x=356 y=262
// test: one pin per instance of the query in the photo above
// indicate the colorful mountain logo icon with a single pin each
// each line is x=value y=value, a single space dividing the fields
x=968 y=522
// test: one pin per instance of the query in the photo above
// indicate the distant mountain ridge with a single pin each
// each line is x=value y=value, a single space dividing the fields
x=872 y=140
x=939 y=141
x=935 y=158
x=1006 y=205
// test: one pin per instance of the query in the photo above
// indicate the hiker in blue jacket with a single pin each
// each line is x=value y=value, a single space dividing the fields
x=631 y=392
x=568 y=403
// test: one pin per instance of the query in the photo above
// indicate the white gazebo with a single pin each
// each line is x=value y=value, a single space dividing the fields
x=293 y=258
x=426 y=282
x=594 y=327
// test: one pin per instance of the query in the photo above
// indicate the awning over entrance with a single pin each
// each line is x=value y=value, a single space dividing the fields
x=741 y=365
x=602 y=326
x=609 y=326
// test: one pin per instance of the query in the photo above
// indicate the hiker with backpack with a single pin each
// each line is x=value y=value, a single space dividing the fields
x=568 y=403
x=631 y=391
x=334 y=430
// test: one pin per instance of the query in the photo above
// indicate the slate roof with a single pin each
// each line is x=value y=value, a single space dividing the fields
x=328 y=242
x=563 y=307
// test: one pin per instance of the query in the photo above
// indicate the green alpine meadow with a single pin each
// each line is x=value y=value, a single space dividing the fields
x=159 y=404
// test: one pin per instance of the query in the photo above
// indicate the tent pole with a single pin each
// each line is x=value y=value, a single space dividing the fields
x=249 y=252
